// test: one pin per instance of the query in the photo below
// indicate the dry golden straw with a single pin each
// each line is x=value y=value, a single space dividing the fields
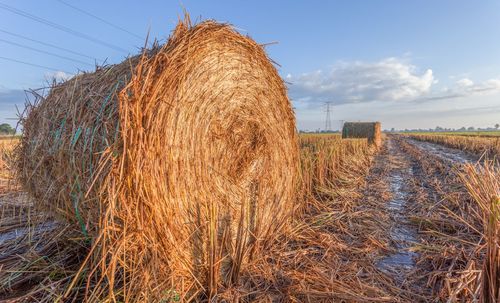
x=178 y=165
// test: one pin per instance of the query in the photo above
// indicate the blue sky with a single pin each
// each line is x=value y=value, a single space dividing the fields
x=409 y=64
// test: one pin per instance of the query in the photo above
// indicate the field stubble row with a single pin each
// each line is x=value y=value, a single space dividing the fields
x=488 y=147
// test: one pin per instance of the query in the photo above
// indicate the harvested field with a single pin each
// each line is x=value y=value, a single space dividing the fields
x=178 y=175
x=7 y=154
x=495 y=133
x=451 y=223
x=311 y=242
x=482 y=146
x=403 y=224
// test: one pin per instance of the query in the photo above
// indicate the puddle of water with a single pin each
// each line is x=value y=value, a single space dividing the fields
x=403 y=235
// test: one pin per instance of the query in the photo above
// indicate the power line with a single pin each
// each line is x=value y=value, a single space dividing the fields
x=44 y=52
x=33 y=64
x=101 y=19
x=48 y=44
x=60 y=27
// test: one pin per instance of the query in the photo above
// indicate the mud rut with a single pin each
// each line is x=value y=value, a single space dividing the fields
x=400 y=172
x=401 y=234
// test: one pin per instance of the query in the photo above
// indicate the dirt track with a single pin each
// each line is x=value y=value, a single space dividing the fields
x=406 y=166
x=402 y=235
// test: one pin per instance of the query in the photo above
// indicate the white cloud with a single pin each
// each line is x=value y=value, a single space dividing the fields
x=465 y=82
x=465 y=88
x=487 y=87
x=58 y=76
x=390 y=79
x=493 y=84
x=396 y=92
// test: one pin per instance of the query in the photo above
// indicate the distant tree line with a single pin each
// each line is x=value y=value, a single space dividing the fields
x=318 y=131
x=6 y=129
x=496 y=127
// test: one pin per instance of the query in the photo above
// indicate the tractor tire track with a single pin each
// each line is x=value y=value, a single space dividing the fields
x=410 y=188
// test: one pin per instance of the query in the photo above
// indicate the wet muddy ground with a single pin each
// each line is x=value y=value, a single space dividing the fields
x=402 y=234
x=402 y=173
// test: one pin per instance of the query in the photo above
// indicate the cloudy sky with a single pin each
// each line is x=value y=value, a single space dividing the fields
x=409 y=64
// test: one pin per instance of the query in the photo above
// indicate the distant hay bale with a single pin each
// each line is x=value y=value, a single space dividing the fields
x=179 y=163
x=369 y=130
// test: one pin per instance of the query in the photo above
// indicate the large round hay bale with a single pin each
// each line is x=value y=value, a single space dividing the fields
x=179 y=164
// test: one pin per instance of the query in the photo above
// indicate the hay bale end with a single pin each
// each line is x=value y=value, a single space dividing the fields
x=370 y=130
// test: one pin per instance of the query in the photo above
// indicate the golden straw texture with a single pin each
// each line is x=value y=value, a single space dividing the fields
x=180 y=164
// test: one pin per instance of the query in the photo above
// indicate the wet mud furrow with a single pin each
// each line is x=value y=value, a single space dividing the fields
x=419 y=178
x=402 y=234
x=434 y=214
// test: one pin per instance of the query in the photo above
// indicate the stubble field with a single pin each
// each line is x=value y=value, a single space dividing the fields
x=416 y=220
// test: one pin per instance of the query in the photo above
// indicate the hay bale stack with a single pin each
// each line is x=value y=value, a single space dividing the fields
x=179 y=164
x=370 y=130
